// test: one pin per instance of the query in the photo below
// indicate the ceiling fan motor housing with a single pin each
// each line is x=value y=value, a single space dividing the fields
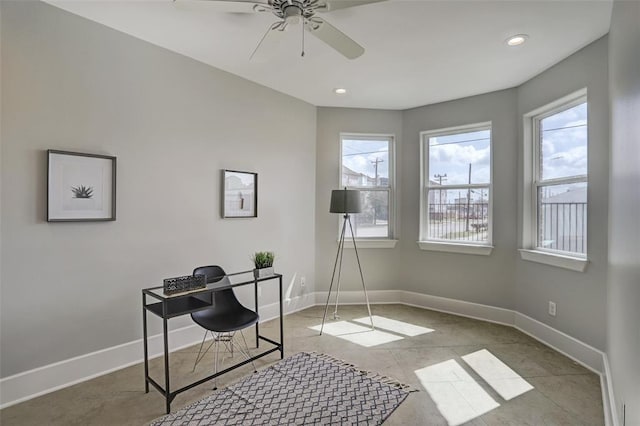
x=292 y=10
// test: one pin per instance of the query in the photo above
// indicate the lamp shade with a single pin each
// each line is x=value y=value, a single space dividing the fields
x=345 y=201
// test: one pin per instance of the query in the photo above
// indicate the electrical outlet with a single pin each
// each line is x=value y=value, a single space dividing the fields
x=303 y=281
x=552 y=309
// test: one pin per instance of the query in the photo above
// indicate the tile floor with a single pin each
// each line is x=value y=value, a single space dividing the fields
x=549 y=388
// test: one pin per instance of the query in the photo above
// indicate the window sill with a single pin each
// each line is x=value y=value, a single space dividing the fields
x=482 y=250
x=561 y=261
x=370 y=244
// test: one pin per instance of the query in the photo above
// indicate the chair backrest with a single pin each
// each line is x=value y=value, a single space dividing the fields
x=221 y=301
x=212 y=272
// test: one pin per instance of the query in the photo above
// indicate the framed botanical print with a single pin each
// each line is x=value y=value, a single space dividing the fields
x=80 y=187
x=239 y=194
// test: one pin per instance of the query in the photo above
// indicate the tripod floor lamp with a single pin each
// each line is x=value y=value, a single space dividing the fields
x=344 y=201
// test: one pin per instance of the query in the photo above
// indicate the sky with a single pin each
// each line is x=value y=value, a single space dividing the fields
x=359 y=155
x=563 y=153
x=564 y=143
x=452 y=154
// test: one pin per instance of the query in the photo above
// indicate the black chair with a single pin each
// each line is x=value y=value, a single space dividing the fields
x=225 y=317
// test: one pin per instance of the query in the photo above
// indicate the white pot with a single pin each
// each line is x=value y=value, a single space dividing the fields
x=263 y=272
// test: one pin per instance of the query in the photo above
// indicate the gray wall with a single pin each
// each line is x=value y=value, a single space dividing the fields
x=69 y=83
x=623 y=333
x=379 y=266
x=501 y=279
x=480 y=279
x=580 y=297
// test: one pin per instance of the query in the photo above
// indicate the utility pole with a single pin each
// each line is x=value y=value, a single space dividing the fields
x=468 y=198
x=375 y=207
x=375 y=165
x=440 y=179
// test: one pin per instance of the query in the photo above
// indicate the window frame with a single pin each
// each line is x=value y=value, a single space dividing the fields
x=390 y=189
x=464 y=247
x=532 y=182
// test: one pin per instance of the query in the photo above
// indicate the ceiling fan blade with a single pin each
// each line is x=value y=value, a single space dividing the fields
x=269 y=40
x=342 y=4
x=238 y=6
x=334 y=38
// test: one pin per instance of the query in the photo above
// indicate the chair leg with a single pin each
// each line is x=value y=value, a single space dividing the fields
x=198 y=357
x=227 y=341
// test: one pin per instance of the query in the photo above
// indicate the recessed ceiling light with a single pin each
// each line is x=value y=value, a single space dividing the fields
x=340 y=91
x=517 y=39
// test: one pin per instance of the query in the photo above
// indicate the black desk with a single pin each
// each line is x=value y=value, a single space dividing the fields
x=170 y=306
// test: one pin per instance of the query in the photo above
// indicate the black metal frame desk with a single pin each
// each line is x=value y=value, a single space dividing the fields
x=170 y=306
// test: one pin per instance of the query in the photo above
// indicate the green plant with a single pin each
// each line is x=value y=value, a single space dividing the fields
x=263 y=259
x=82 y=191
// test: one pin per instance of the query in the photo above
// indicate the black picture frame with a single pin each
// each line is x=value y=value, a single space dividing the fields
x=239 y=194
x=81 y=187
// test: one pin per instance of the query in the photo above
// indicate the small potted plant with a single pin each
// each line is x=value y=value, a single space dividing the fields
x=263 y=261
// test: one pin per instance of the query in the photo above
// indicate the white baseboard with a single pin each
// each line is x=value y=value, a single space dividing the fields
x=584 y=354
x=42 y=380
x=378 y=297
x=608 y=397
x=459 y=307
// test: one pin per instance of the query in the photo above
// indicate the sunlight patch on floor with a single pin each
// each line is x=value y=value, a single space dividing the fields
x=458 y=397
x=497 y=374
x=395 y=326
x=358 y=334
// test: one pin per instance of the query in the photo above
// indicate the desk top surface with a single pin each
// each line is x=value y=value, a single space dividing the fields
x=228 y=281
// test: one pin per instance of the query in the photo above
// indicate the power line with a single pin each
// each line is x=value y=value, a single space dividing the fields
x=567 y=127
x=362 y=153
x=452 y=143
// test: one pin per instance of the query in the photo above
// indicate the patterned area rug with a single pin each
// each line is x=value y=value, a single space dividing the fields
x=307 y=388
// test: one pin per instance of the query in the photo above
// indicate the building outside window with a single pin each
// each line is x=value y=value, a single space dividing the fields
x=456 y=185
x=559 y=184
x=367 y=164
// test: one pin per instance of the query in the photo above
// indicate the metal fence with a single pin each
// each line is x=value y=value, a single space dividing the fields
x=459 y=221
x=563 y=226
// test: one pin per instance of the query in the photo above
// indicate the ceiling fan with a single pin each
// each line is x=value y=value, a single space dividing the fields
x=293 y=12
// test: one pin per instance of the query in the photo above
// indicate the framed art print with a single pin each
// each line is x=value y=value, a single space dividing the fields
x=80 y=187
x=240 y=194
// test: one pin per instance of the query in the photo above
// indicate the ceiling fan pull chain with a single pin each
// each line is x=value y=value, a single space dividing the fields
x=302 y=26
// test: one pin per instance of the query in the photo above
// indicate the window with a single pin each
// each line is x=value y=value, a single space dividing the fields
x=456 y=188
x=367 y=164
x=556 y=138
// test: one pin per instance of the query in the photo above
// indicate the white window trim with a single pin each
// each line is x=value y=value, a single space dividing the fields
x=555 y=259
x=368 y=243
x=374 y=242
x=529 y=250
x=479 y=248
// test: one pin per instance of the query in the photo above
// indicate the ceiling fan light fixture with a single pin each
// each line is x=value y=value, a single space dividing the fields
x=339 y=91
x=517 y=40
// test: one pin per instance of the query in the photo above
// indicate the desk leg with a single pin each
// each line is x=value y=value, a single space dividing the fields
x=166 y=364
x=144 y=339
x=256 y=303
x=281 y=321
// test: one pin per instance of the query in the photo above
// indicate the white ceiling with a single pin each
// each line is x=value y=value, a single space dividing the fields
x=418 y=52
